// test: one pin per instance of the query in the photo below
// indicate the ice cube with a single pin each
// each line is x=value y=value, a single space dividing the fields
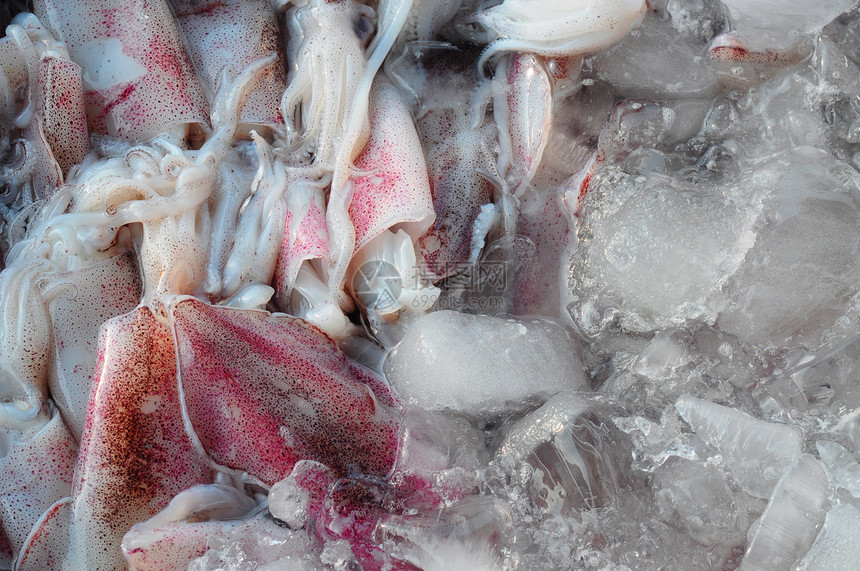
x=655 y=444
x=790 y=522
x=842 y=466
x=481 y=365
x=697 y=496
x=756 y=452
x=258 y=543
x=823 y=382
x=288 y=502
x=698 y=18
x=654 y=252
x=435 y=441
x=654 y=62
x=799 y=275
x=807 y=16
x=568 y=459
x=466 y=535
x=836 y=548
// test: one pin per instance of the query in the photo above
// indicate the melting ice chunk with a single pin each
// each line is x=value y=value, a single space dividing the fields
x=288 y=502
x=808 y=229
x=790 y=522
x=481 y=365
x=657 y=250
x=698 y=497
x=568 y=456
x=756 y=452
x=462 y=536
x=842 y=466
x=785 y=17
x=654 y=62
x=836 y=548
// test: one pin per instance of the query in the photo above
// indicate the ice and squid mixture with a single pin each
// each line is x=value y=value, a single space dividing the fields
x=430 y=284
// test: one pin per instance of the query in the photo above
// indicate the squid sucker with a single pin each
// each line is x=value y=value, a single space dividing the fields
x=399 y=285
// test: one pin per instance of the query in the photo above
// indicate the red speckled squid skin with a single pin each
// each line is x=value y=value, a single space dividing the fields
x=230 y=35
x=48 y=543
x=86 y=298
x=526 y=112
x=47 y=175
x=35 y=473
x=61 y=109
x=396 y=190
x=264 y=391
x=459 y=191
x=305 y=235
x=135 y=454
x=137 y=77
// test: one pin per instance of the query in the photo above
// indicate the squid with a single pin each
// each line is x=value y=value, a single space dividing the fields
x=36 y=470
x=137 y=78
x=224 y=38
x=57 y=94
x=556 y=29
x=770 y=34
x=132 y=423
x=327 y=54
x=255 y=249
x=392 y=205
x=458 y=167
x=523 y=112
x=49 y=121
x=152 y=410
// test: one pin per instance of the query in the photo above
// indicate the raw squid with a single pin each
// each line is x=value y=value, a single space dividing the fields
x=564 y=28
x=137 y=77
x=225 y=37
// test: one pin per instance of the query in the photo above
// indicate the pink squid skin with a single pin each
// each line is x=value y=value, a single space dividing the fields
x=86 y=298
x=48 y=543
x=230 y=35
x=459 y=190
x=395 y=191
x=543 y=220
x=526 y=111
x=156 y=89
x=35 y=473
x=135 y=453
x=61 y=110
x=264 y=391
x=305 y=236
x=175 y=545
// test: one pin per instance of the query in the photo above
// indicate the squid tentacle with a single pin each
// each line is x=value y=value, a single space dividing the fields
x=31 y=59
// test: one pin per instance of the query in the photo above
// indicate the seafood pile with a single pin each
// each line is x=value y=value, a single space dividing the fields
x=429 y=284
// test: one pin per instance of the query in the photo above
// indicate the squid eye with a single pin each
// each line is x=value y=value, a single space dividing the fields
x=363 y=27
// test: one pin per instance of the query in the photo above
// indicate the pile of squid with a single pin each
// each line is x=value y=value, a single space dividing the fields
x=191 y=190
